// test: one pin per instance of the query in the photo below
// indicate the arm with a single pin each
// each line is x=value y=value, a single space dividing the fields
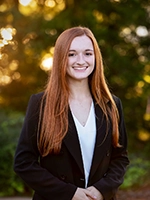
x=26 y=163
x=110 y=182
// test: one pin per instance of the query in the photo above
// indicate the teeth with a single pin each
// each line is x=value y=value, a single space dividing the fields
x=80 y=68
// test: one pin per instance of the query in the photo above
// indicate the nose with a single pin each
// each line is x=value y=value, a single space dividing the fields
x=80 y=59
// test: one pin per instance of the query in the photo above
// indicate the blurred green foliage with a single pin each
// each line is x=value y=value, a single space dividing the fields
x=138 y=173
x=122 y=29
x=10 y=125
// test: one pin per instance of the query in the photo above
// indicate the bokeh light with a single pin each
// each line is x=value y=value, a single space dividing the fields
x=25 y=2
x=47 y=62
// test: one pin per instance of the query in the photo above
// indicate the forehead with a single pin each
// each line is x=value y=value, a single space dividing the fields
x=81 y=42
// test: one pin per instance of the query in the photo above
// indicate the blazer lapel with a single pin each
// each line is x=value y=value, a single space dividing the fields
x=71 y=141
x=100 y=145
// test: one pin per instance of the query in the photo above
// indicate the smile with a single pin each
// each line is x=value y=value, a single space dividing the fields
x=80 y=68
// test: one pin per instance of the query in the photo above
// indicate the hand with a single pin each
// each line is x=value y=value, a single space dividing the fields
x=94 y=193
x=82 y=194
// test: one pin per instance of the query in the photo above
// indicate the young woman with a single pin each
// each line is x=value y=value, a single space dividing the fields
x=73 y=144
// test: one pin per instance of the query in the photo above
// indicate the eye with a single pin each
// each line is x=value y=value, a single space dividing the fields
x=71 y=54
x=88 y=53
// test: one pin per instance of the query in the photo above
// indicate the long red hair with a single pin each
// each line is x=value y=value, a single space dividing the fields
x=53 y=120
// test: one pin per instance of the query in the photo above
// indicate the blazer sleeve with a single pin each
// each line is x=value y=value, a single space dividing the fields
x=113 y=178
x=26 y=161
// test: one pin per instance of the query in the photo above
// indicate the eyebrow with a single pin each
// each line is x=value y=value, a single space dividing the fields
x=85 y=50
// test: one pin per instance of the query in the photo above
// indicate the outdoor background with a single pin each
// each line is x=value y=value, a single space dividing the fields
x=28 y=31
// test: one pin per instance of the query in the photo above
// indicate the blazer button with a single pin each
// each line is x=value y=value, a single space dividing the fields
x=82 y=179
x=108 y=154
x=63 y=177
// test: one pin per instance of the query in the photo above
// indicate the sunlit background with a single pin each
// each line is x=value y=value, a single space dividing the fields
x=10 y=69
x=28 y=31
x=28 y=7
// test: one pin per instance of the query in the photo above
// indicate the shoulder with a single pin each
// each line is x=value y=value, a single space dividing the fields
x=34 y=103
x=116 y=99
x=35 y=99
x=37 y=96
x=118 y=102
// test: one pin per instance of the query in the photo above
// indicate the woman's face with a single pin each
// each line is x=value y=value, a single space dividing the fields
x=81 y=58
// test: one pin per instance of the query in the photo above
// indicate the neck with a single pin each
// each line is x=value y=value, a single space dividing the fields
x=79 y=90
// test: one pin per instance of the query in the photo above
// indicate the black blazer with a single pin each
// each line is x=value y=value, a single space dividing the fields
x=56 y=177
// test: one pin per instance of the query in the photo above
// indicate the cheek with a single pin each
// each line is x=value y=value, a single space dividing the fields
x=68 y=70
x=70 y=61
x=94 y=61
x=69 y=64
x=91 y=60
